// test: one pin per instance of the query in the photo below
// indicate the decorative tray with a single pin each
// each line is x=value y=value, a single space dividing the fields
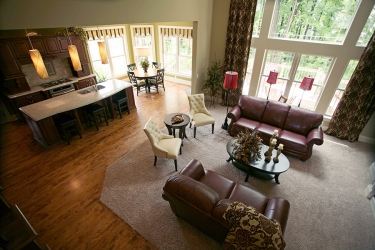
x=177 y=119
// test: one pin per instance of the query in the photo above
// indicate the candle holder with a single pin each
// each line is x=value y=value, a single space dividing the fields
x=273 y=137
x=276 y=159
x=269 y=152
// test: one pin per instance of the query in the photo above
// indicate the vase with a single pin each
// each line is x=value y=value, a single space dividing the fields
x=145 y=70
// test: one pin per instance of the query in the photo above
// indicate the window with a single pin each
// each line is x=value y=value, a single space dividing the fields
x=143 y=40
x=324 y=21
x=280 y=62
x=367 y=30
x=177 y=50
x=249 y=71
x=258 y=17
x=316 y=67
x=116 y=51
x=342 y=86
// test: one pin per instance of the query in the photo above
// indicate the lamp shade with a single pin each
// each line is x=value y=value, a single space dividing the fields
x=272 y=77
x=74 y=57
x=230 y=80
x=38 y=63
x=143 y=51
x=307 y=83
x=103 y=52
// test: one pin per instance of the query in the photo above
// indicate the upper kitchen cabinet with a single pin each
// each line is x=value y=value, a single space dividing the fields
x=56 y=45
x=80 y=48
x=21 y=47
x=9 y=66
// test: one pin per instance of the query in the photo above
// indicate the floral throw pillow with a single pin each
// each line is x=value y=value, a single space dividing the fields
x=251 y=230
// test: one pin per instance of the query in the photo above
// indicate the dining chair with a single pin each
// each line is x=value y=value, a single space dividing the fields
x=157 y=65
x=120 y=101
x=163 y=145
x=140 y=85
x=283 y=99
x=132 y=67
x=198 y=112
x=158 y=80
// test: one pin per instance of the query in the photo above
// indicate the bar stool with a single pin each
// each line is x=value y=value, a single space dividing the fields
x=67 y=126
x=96 y=113
x=121 y=103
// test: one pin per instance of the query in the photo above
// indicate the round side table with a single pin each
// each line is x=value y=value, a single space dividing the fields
x=173 y=126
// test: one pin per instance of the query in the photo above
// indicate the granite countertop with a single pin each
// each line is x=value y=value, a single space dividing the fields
x=38 y=88
x=73 y=100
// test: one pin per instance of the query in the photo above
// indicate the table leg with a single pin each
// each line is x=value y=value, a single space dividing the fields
x=277 y=178
x=230 y=159
x=169 y=129
x=78 y=120
x=247 y=177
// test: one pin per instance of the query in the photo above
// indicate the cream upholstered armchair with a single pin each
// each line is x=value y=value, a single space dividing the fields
x=199 y=114
x=163 y=145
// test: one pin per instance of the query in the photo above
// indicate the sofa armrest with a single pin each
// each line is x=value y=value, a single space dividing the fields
x=278 y=209
x=315 y=136
x=194 y=169
x=191 y=192
x=234 y=113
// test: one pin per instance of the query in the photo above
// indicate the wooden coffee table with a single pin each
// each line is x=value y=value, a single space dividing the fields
x=173 y=126
x=260 y=168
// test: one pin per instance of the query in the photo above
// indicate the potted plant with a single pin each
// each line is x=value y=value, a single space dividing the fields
x=213 y=84
x=145 y=64
x=247 y=146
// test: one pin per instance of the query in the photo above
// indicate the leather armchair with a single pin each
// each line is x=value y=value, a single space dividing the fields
x=201 y=197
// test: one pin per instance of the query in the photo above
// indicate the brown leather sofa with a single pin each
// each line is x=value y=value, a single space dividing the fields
x=201 y=198
x=298 y=129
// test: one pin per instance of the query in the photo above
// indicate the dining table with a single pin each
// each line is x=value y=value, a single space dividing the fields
x=151 y=73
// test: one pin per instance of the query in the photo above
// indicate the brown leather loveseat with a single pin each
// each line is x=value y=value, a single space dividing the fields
x=201 y=198
x=298 y=129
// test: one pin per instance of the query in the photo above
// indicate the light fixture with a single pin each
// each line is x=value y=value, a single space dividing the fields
x=272 y=79
x=37 y=58
x=143 y=51
x=102 y=50
x=306 y=84
x=230 y=82
x=74 y=54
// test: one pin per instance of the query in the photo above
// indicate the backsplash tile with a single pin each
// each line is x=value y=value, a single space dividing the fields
x=61 y=68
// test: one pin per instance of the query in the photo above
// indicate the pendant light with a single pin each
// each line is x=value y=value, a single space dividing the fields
x=74 y=54
x=102 y=50
x=37 y=58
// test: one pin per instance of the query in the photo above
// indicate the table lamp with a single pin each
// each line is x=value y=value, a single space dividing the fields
x=272 y=79
x=306 y=84
x=230 y=82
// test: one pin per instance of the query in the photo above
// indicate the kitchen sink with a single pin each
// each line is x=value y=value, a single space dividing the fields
x=90 y=89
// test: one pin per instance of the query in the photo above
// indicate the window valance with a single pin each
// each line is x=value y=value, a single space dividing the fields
x=99 y=34
x=142 y=31
x=181 y=32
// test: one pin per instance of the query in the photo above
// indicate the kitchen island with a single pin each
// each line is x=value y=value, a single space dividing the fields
x=39 y=116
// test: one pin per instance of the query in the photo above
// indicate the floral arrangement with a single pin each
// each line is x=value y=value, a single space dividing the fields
x=247 y=146
x=145 y=64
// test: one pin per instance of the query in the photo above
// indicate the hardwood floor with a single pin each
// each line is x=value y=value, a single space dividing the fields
x=58 y=189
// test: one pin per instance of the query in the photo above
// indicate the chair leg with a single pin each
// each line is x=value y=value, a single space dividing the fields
x=105 y=117
x=213 y=127
x=155 y=160
x=175 y=164
x=180 y=150
x=195 y=131
x=119 y=110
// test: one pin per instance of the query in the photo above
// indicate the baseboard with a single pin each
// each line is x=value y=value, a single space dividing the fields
x=173 y=79
x=372 y=201
x=367 y=140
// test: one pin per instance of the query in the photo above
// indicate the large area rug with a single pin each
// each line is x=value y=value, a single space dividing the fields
x=328 y=206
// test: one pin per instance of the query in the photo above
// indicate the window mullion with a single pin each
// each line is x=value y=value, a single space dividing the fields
x=293 y=71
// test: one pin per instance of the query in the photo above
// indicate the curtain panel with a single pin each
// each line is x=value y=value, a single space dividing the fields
x=238 y=41
x=100 y=34
x=358 y=101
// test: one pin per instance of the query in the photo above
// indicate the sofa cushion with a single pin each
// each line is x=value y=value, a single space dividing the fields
x=249 y=196
x=251 y=107
x=275 y=114
x=266 y=132
x=302 y=121
x=293 y=141
x=251 y=229
x=220 y=184
x=192 y=192
x=243 y=123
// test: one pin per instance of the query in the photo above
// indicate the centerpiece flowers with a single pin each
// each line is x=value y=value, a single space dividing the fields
x=247 y=146
x=145 y=64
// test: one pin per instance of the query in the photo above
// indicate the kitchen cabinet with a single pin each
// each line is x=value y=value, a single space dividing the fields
x=84 y=83
x=22 y=46
x=9 y=67
x=25 y=100
x=16 y=85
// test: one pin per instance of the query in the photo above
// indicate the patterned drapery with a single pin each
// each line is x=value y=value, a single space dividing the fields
x=358 y=101
x=239 y=32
